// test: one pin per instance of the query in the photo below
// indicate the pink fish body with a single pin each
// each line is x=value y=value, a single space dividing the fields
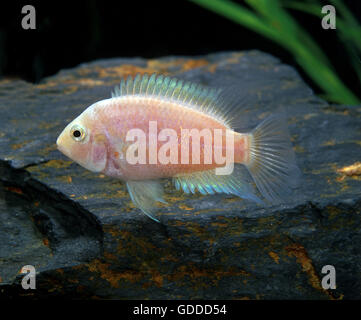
x=158 y=127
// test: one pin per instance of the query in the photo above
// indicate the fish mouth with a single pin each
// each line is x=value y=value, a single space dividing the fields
x=60 y=144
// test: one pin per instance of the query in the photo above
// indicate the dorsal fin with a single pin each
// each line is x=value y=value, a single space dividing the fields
x=190 y=94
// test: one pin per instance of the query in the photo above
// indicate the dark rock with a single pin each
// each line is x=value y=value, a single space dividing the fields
x=86 y=239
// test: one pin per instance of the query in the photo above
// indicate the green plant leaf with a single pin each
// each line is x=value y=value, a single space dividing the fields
x=270 y=19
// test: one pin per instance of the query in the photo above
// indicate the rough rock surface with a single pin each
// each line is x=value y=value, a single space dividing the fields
x=86 y=239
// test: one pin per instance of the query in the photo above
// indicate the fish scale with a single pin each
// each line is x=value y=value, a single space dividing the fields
x=167 y=115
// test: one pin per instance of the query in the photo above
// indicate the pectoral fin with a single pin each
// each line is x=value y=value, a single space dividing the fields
x=145 y=194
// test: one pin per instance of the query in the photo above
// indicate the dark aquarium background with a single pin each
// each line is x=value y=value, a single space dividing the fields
x=71 y=32
x=81 y=230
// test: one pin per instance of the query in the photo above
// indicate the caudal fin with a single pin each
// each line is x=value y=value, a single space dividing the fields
x=272 y=160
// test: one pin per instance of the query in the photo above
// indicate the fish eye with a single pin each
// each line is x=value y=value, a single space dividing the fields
x=77 y=133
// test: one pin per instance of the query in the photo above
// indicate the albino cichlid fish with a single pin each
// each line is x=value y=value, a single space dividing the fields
x=157 y=127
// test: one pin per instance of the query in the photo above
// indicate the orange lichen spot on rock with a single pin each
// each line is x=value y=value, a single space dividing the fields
x=46 y=242
x=83 y=71
x=109 y=256
x=5 y=81
x=234 y=59
x=61 y=271
x=309 y=116
x=14 y=190
x=80 y=288
x=185 y=207
x=183 y=64
x=231 y=199
x=155 y=279
x=274 y=256
x=48 y=149
x=46 y=85
x=328 y=143
x=112 y=276
x=294 y=137
x=69 y=179
x=263 y=115
x=332 y=109
x=168 y=257
x=333 y=211
x=105 y=273
x=289 y=84
x=58 y=164
x=122 y=71
x=70 y=89
x=73 y=280
x=212 y=67
x=172 y=198
x=353 y=171
x=90 y=82
x=298 y=149
x=47 y=125
x=220 y=224
x=163 y=66
x=114 y=231
x=17 y=146
x=193 y=64
x=192 y=274
x=299 y=252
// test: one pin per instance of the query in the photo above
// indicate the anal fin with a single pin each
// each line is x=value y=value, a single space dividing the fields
x=207 y=182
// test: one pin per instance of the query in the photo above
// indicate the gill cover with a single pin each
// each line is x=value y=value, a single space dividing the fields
x=98 y=154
